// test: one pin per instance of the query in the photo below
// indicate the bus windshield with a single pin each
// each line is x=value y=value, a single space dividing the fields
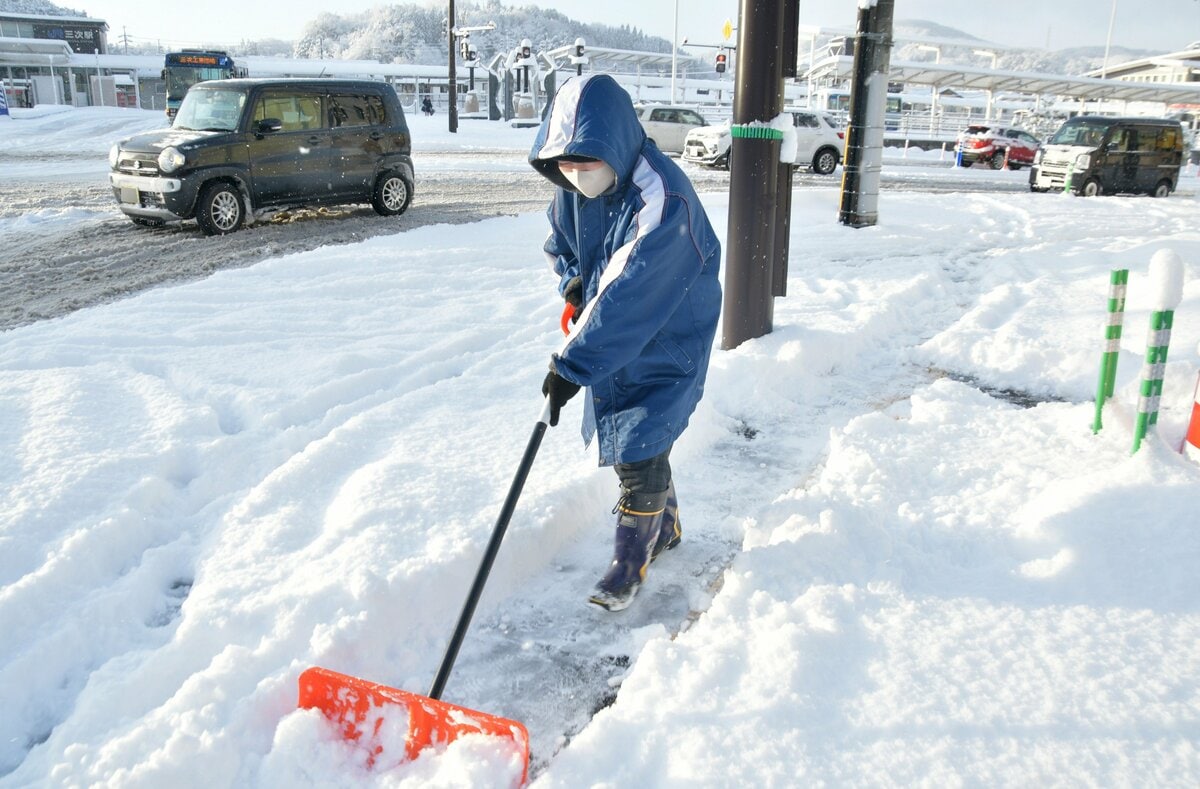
x=210 y=110
x=180 y=78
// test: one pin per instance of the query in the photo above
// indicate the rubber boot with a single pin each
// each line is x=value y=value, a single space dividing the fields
x=639 y=520
x=670 y=533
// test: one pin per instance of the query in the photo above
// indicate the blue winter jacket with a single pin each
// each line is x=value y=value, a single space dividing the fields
x=648 y=259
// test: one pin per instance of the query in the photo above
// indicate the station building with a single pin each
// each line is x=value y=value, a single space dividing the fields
x=39 y=53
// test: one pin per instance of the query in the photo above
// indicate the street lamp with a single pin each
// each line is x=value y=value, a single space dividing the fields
x=1108 y=41
x=674 y=51
x=990 y=94
x=937 y=58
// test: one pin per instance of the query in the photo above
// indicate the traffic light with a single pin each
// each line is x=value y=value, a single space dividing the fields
x=721 y=58
x=526 y=48
x=579 y=47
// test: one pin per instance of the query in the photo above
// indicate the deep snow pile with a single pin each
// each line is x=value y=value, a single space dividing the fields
x=209 y=488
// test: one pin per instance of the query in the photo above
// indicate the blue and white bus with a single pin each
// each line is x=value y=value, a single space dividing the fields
x=185 y=68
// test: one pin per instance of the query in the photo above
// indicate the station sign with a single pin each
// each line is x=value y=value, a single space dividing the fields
x=81 y=38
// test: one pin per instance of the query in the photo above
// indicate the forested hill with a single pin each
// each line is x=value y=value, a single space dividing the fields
x=410 y=33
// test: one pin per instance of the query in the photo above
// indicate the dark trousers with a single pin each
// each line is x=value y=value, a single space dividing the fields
x=644 y=483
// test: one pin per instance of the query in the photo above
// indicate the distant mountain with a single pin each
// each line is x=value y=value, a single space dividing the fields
x=1077 y=60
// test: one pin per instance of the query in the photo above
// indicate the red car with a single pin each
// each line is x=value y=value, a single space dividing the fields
x=992 y=144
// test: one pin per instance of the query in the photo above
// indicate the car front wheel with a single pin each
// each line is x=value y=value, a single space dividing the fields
x=1163 y=189
x=220 y=210
x=825 y=162
x=393 y=193
x=1091 y=188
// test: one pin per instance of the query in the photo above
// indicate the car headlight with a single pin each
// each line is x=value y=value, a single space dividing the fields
x=113 y=155
x=1083 y=161
x=1037 y=156
x=170 y=160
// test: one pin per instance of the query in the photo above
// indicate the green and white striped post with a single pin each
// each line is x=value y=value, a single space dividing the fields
x=1166 y=272
x=1152 y=373
x=1117 y=281
x=1067 y=179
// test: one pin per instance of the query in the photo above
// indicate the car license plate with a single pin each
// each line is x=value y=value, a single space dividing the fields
x=129 y=195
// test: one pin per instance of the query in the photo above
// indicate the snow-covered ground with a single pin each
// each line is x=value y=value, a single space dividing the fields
x=936 y=573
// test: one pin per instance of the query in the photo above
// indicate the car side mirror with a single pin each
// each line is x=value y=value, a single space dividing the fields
x=268 y=126
x=1111 y=146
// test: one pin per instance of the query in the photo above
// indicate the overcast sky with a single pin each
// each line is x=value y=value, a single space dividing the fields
x=1163 y=25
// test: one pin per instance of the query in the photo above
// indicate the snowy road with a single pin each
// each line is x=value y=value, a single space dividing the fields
x=67 y=246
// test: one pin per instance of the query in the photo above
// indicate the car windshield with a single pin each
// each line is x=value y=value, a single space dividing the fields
x=1089 y=133
x=210 y=110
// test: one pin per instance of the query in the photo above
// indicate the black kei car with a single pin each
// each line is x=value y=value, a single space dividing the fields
x=241 y=148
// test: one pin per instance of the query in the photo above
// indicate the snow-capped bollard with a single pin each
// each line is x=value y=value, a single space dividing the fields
x=1117 y=282
x=1166 y=272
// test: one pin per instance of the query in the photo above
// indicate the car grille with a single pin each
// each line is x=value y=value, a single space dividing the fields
x=1051 y=166
x=138 y=164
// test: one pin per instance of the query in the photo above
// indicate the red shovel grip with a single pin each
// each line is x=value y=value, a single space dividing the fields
x=568 y=314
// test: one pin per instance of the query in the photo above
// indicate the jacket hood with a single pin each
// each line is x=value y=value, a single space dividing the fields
x=590 y=116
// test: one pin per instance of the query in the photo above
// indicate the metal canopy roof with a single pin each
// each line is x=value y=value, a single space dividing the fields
x=19 y=50
x=943 y=75
x=560 y=57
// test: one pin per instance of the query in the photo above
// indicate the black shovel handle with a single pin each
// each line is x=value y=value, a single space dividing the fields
x=489 y=556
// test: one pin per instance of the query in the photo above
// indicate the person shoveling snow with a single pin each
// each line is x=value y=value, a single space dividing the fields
x=637 y=257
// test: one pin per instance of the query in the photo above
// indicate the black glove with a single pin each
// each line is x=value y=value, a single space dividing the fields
x=573 y=292
x=559 y=390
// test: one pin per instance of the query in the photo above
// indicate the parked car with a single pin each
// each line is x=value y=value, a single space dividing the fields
x=996 y=145
x=819 y=143
x=668 y=126
x=244 y=147
x=1092 y=155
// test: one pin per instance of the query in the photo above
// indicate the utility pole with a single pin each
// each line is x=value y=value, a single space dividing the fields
x=868 y=103
x=453 y=86
x=753 y=254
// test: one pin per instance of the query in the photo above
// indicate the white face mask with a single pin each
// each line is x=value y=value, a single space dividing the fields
x=591 y=183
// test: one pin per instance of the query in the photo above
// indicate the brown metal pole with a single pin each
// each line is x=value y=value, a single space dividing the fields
x=754 y=174
x=789 y=45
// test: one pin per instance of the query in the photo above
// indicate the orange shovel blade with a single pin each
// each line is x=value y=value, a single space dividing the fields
x=360 y=708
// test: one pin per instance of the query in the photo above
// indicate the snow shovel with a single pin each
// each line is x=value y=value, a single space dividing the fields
x=364 y=710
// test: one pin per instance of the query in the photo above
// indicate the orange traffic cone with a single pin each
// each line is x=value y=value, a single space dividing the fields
x=1191 y=444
